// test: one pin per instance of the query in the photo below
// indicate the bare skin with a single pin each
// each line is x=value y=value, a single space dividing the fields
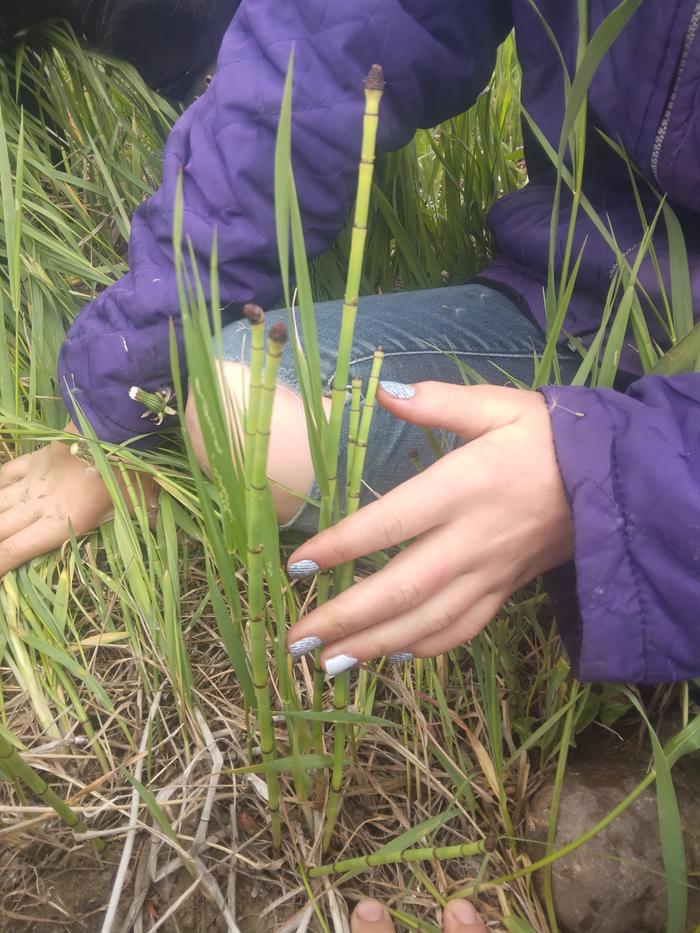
x=489 y=517
x=44 y=493
x=290 y=469
x=371 y=916
x=486 y=519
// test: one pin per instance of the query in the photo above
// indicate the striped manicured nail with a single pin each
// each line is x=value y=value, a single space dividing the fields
x=338 y=664
x=304 y=568
x=401 y=657
x=398 y=390
x=304 y=646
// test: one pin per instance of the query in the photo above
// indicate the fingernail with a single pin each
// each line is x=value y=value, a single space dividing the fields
x=303 y=568
x=372 y=911
x=398 y=390
x=463 y=912
x=338 y=664
x=304 y=646
x=401 y=657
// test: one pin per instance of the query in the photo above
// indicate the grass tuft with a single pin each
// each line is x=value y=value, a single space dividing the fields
x=144 y=683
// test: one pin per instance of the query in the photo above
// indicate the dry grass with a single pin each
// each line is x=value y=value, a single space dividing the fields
x=393 y=785
x=115 y=684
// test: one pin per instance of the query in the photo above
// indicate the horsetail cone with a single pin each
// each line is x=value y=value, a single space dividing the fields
x=375 y=79
x=254 y=313
x=279 y=334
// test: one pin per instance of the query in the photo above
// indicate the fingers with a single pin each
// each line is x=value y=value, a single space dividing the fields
x=14 y=470
x=469 y=411
x=461 y=917
x=16 y=519
x=405 y=512
x=465 y=628
x=403 y=585
x=16 y=495
x=453 y=616
x=38 y=538
x=371 y=917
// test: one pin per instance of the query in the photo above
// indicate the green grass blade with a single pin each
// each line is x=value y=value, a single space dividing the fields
x=670 y=831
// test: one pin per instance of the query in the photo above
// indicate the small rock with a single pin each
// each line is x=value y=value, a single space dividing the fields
x=614 y=883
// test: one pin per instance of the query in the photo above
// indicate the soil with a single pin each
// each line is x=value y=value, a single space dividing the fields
x=71 y=897
x=615 y=883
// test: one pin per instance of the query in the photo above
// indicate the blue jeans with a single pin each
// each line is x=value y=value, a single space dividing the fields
x=425 y=335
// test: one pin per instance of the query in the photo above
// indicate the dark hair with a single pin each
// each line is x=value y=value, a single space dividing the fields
x=171 y=42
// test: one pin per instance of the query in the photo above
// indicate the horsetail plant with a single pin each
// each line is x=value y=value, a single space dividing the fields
x=325 y=455
x=16 y=768
x=63 y=240
x=343 y=580
x=356 y=460
x=353 y=866
x=374 y=89
x=258 y=507
x=353 y=429
x=256 y=316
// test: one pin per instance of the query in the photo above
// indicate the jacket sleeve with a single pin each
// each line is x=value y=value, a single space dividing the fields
x=437 y=57
x=631 y=467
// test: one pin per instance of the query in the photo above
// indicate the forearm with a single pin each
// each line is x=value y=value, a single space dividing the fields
x=631 y=467
x=222 y=153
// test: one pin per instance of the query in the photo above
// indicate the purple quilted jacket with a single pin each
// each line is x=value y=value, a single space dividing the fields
x=630 y=608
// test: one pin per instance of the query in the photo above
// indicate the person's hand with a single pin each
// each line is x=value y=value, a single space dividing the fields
x=489 y=517
x=42 y=494
x=459 y=916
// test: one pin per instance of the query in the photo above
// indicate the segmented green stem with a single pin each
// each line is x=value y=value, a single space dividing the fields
x=343 y=579
x=437 y=853
x=256 y=456
x=374 y=87
x=319 y=675
x=344 y=574
x=257 y=358
x=14 y=765
x=353 y=429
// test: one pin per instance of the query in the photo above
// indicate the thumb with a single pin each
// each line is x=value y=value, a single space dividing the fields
x=371 y=917
x=460 y=917
x=469 y=411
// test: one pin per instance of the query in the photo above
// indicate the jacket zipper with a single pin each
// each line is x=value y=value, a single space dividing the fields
x=690 y=36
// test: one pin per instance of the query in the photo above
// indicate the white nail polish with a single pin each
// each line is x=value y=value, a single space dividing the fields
x=304 y=646
x=303 y=568
x=338 y=664
x=398 y=390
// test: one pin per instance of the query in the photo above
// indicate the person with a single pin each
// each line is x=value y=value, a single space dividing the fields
x=370 y=916
x=598 y=488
